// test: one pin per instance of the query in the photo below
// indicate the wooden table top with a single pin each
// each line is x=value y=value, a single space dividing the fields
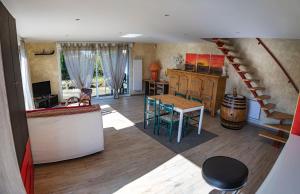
x=178 y=102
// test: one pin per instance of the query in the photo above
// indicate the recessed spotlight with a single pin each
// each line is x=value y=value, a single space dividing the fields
x=131 y=35
x=167 y=15
x=77 y=19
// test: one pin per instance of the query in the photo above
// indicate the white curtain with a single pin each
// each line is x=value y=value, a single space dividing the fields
x=26 y=79
x=80 y=59
x=114 y=60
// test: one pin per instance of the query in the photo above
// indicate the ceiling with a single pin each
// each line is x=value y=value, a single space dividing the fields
x=189 y=20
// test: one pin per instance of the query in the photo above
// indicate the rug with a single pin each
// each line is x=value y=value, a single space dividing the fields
x=190 y=140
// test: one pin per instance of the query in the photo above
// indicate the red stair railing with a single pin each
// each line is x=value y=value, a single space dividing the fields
x=279 y=64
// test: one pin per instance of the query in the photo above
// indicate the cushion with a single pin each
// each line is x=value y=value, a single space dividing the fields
x=224 y=173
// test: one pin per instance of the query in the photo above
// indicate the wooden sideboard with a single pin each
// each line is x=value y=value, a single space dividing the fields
x=209 y=88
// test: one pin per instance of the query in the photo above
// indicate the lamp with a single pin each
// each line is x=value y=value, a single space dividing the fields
x=154 y=68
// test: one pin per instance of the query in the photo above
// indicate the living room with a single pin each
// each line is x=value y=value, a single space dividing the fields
x=150 y=101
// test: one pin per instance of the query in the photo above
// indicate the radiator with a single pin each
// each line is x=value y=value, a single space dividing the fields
x=253 y=109
x=137 y=70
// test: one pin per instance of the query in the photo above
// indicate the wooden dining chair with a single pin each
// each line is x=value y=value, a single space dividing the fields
x=169 y=119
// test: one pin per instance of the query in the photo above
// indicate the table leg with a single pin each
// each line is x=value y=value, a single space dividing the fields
x=180 y=127
x=200 y=120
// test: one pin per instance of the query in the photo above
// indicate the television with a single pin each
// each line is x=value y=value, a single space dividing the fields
x=41 y=89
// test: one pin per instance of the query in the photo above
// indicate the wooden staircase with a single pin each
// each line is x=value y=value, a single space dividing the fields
x=281 y=131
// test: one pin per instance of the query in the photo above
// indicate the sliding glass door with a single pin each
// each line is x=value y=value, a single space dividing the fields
x=99 y=86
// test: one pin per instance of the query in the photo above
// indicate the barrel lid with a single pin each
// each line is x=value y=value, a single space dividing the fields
x=235 y=97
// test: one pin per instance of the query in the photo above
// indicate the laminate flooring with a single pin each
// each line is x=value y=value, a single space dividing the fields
x=134 y=163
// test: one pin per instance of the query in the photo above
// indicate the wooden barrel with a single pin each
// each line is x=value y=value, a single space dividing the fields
x=233 y=111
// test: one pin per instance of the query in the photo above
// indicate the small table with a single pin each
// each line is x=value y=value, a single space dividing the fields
x=156 y=87
x=182 y=106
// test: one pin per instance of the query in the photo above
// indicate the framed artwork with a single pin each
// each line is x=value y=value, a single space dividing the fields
x=205 y=62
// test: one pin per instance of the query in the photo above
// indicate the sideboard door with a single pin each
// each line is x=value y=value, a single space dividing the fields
x=183 y=85
x=173 y=83
x=207 y=93
x=196 y=86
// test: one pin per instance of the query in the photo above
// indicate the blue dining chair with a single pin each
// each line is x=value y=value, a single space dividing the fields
x=169 y=119
x=150 y=114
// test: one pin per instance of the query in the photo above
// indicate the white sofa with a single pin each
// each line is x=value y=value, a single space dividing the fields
x=58 y=134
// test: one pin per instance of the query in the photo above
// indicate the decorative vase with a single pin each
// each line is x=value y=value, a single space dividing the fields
x=154 y=75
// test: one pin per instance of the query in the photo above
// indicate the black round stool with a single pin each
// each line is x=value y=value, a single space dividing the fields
x=224 y=173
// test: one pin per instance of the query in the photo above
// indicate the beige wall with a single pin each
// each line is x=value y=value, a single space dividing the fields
x=258 y=60
x=147 y=52
x=43 y=67
x=166 y=52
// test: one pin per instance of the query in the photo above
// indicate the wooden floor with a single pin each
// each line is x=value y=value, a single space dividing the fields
x=134 y=163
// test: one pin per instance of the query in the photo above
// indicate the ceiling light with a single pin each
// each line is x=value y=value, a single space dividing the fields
x=77 y=19
x=131 y=35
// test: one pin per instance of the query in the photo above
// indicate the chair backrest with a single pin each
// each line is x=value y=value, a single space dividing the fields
x=180 y=94
x=167 y=108
x=87 y=91
x=195 y=99
x=149 y=102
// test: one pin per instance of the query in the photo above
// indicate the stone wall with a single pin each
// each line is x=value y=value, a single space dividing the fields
x=43 y=67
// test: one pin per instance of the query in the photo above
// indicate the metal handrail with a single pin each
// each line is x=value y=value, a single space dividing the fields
x=279 y=64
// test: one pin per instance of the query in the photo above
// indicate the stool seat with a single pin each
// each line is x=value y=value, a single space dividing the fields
x=224 y=173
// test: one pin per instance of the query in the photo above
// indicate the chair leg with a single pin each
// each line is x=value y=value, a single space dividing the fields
x=154 y=128
x=144 y=121
x=158 y=125
x=170 y=132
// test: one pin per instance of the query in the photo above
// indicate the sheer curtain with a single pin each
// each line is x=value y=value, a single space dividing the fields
x=80 y=59
x=114 y=59
x=26 y=79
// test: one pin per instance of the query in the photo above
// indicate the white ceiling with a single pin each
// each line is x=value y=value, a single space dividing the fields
x=189 y=20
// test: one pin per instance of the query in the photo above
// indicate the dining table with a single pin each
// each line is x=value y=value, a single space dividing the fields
x=182 y=106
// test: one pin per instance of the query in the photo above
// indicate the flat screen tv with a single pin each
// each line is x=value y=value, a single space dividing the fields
x=41 y=89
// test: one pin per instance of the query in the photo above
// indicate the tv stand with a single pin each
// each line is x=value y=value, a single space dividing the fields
x=46 y=101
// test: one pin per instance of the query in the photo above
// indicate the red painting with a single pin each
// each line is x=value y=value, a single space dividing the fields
x=191 y=58
x=216 y=61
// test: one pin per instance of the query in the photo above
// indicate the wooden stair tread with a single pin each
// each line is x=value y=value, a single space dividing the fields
x=280 y=116
x=223 y=48
x=232 y=56
x=268 y=106
x=272 y=136
x=221 y=40
x=243 y=71
x=263 y=97
x=280 y=127
x=250 y=80
x=256 y=88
